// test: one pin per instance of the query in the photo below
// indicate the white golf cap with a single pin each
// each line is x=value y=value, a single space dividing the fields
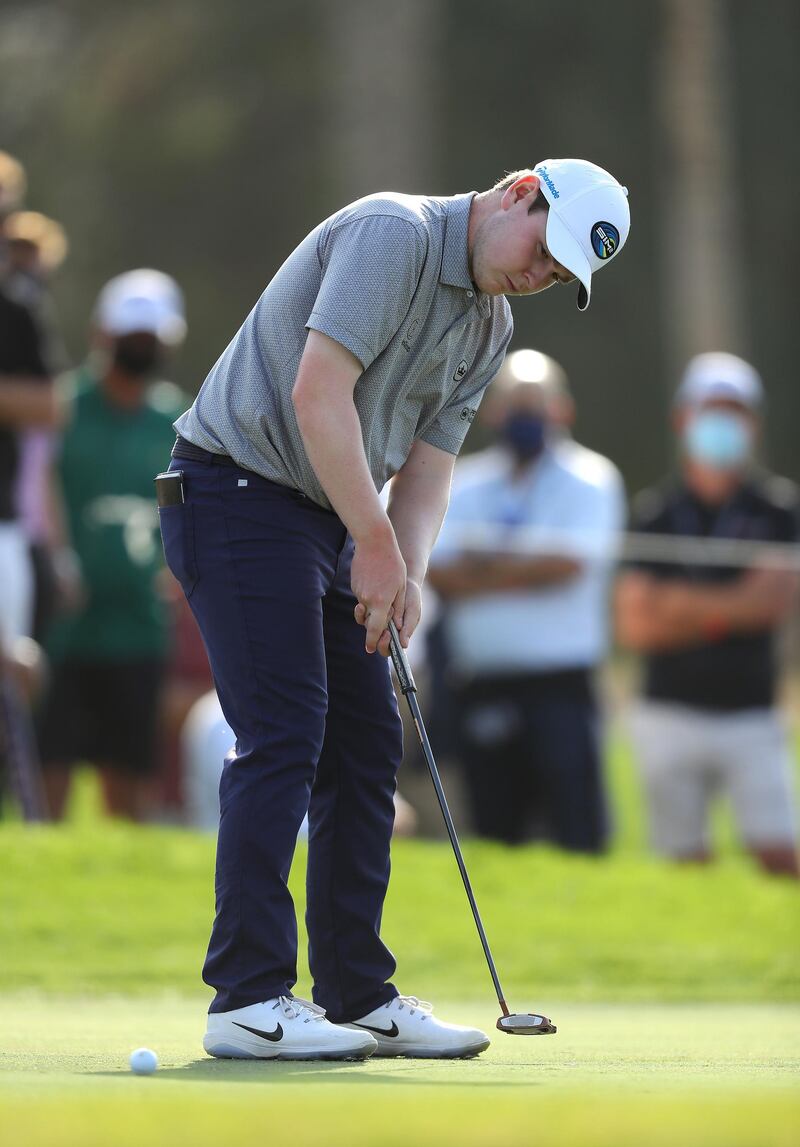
x=720 y=376
x=589 y=218
x=142 y=300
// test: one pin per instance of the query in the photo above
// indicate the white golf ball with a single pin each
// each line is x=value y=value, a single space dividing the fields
x=143 y=1061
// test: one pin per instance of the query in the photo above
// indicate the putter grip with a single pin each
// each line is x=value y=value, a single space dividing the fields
x=400 y=662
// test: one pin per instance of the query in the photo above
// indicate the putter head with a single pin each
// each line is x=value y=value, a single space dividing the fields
x=522 y=1024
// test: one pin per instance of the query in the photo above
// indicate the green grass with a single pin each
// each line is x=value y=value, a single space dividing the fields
x=614 y=1076
x=676 y=992
x=121 y=909
x=94 y=906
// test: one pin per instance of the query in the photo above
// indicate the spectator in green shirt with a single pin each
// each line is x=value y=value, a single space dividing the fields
x=108 y=652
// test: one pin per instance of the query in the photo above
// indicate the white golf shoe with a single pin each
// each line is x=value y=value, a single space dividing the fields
x=407 y=1026
x=283 y=1028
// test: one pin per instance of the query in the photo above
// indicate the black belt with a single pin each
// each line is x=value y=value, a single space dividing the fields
x=188 y=450
x=185 y=449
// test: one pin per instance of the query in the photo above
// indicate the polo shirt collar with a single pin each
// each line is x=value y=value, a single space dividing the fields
x=455 y=260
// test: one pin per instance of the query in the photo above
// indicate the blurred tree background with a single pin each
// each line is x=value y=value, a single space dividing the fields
x=206 y=139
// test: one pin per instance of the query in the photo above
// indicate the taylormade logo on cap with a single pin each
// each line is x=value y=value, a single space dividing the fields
x=542 y=172
x=589 y=218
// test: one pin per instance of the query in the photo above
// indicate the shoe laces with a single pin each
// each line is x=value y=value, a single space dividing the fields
x=413 y=1004
x=294 y=1008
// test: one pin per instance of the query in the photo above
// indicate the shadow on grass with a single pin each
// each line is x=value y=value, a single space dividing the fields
x=411 y=1072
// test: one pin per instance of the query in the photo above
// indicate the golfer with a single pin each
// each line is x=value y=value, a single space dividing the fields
x=365 y=359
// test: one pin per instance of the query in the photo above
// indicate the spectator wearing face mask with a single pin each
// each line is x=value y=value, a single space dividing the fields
x=108 y=653
x=523 y=565
x=707 y=722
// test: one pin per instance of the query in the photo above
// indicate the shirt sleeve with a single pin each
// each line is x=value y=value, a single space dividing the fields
x=371 y=267
x=449 y=429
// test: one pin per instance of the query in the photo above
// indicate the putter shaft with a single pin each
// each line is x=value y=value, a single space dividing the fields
x=409 y=690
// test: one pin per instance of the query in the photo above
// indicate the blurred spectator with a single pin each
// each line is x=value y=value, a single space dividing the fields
x=13 y=184
x=206 y=739
x=108 y=654
x=707 y=721
x=26 y=400
x=187 y=678
x=37 y=246
x=523 y=563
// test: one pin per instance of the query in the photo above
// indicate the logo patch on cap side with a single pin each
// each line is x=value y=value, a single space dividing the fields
x=605 y=240
x=545 y=176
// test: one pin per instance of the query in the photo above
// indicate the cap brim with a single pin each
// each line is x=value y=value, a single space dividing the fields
x=567 y=251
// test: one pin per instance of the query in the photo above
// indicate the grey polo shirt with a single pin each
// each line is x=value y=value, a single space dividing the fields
x=388 y=278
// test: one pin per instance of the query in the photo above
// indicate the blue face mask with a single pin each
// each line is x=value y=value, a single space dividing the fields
x=718 y=438
x=525 y=434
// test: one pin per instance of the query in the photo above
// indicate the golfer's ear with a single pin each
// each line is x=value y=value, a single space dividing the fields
x=525 y=187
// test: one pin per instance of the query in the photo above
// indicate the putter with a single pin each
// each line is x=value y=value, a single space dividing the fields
x=512 y=1023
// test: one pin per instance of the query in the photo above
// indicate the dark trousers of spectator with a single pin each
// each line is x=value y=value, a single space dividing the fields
x=267 y=575
x=530 y=747
x=46 y=593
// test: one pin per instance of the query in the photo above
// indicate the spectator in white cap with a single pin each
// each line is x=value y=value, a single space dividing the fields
x=137 y=316
x=707 y=722
x=108 y=653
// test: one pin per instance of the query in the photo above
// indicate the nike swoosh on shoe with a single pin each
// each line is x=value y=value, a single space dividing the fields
x=391 y=1033
x=274 y=1037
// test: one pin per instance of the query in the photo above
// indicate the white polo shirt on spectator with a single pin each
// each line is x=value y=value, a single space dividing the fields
x=571 y=503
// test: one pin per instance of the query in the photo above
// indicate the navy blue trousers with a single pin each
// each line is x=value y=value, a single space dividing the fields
x=267 y=574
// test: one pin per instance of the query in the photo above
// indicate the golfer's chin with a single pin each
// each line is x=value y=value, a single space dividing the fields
x=500 y=284
x=495 y=285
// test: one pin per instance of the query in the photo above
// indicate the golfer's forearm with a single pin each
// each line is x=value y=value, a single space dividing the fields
x=416 y=511
x=331 y=434
x=418 y=500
